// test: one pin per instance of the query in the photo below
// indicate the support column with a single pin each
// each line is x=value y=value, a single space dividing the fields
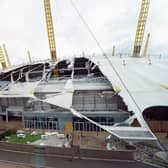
x=7 y=116
x=23 y=122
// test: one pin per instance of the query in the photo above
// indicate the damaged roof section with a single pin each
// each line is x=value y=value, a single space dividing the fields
x=139 y=82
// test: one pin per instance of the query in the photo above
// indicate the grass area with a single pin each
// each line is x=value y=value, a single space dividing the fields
x=29 y=138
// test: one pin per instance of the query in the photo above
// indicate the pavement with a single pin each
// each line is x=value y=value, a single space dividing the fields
x=53 y=140
x=4 y=164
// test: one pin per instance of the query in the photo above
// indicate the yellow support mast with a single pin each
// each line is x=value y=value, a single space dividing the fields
x=113 y=53
x=7 y=56
x=146 y=45
x=29 y=56
x=141 y=28
x=50 y=30
x=2 y=59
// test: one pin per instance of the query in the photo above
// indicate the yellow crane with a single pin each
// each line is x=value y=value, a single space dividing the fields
x=146 y=45
x=50 y=30
x=7 y=56
x=141 y=27
x=2 y=59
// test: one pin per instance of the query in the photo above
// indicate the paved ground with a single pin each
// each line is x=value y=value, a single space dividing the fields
x=78 y=164
x=39 y=161
x=4 y=164
x=53 y=141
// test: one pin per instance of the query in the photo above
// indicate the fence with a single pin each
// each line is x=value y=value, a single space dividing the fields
x=87 y=126
x=33 y=124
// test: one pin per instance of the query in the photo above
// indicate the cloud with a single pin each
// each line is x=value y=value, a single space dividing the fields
x=112 y=21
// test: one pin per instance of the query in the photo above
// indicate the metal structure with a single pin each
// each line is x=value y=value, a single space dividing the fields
x=90 y=95
x=113 y=53
x=50 y=30
x=7 y=56
x=146 y=45
x=29 y=57
x=141 y=27
x=97 y=93
x=2 y=59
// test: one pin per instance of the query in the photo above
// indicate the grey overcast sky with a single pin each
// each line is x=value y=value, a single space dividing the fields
x=112 y=21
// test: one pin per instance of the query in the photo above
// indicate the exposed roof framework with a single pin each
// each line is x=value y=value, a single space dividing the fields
x=139 y=90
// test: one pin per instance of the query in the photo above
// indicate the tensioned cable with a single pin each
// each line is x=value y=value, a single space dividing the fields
x=87 y=26
x=61 y=22
x=102 y=50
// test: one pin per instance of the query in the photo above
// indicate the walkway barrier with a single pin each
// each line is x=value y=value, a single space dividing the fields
x=75 y=152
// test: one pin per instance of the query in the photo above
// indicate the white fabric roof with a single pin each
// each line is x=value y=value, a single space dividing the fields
x=64 y=98
x=20 y=90
x=140 y=82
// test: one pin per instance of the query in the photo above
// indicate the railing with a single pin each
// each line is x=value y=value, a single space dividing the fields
x=94 y=107
x=33 y=124
x=87 y=126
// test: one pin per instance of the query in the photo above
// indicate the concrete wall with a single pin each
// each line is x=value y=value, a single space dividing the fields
x=74 y=152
